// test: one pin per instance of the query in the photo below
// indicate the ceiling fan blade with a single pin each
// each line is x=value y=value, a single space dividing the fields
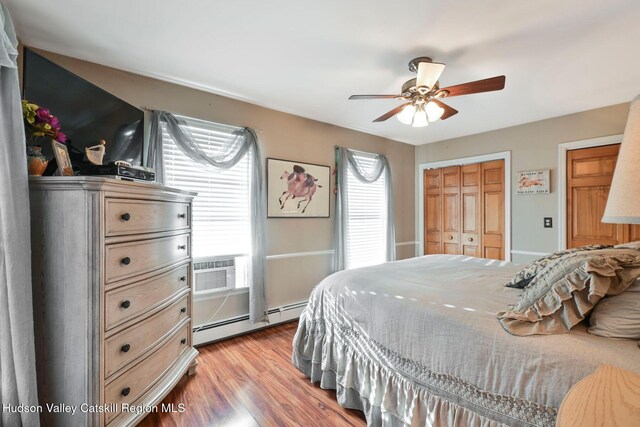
x=486 y=85
x=391 y=113
x=429 y=73
x=448 y=111
x=374 y=96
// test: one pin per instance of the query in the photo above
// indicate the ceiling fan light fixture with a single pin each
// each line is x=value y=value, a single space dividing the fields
x=434 y=111
x=406 y=115
x=420 y=119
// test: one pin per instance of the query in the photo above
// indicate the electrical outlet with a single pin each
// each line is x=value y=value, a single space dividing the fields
x=548 y=222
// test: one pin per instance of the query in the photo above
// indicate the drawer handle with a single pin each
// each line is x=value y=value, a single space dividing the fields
x=183 y=341
x=126 y=216
x=182 y=215
x=125 y=391
x=183 y=278
x=125 y=304
x=126 y=260
x=183 y=310
x=125 y=348
x=182 y=247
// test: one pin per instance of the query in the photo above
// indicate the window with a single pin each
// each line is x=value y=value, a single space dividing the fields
x=221 y=210
x=366 y=235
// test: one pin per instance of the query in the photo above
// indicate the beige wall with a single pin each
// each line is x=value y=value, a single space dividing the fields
x=284 y=136
x=533 y=146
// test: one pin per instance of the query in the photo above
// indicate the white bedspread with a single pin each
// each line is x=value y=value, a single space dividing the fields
x=417 y=342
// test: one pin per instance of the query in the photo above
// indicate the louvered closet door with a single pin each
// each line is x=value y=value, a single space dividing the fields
x=493 y=209
x=432 y=180
x=589 y=176
x=451 y=210
x=471 y=209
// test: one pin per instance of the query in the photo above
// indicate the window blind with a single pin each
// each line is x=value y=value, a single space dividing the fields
x=367 y=218
x=221 y=210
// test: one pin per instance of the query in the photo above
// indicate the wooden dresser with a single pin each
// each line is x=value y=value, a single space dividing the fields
x=112 y=297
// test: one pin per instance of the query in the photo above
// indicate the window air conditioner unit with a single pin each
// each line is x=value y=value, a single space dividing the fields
x=214 y=274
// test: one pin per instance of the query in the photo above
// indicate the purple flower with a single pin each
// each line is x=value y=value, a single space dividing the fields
x=43 y=114
x=54 y=122
x=61 y=137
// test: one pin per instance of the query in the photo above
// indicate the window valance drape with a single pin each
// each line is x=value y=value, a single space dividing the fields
x=350 y=160
x=238 y=142
x=17 y=349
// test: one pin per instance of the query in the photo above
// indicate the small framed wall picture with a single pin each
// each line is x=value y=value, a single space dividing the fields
x=533 y=182
x=62 y=159
x=297 y=190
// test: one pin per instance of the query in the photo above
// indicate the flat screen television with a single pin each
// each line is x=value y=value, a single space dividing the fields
x=86 y=112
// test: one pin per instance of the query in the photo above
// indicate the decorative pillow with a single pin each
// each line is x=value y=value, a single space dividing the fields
x=527 y=274
x=564 y=292
x=618 y=316
x=630 y=245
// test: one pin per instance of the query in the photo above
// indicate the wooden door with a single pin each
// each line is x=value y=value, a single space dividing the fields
x=432 y=180
x=451 y=210
x=471 y=208
x=589 y=176
x=492 y=188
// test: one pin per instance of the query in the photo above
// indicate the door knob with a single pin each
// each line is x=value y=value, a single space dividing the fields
x=470 y=239
x=450 y=237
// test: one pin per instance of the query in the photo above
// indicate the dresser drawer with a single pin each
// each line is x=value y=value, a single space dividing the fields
x=125 y=346
x=135 y=381
x=125 y=216
x=131 y=259
x=125 y=303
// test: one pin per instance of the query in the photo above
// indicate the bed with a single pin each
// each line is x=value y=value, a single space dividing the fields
x=417 y=342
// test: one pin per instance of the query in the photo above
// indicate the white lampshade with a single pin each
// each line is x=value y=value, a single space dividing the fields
x=420 y=119
x=406 y=115
x=623 y=204
x=434 y=111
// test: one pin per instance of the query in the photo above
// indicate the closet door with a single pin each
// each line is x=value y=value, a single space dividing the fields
x=432 y=211
x=451 y=210
x=492 y=180
x=634 y=233
x=471 y=209
x=589 y=176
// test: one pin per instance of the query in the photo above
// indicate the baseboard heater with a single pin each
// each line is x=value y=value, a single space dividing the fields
x=239 y=325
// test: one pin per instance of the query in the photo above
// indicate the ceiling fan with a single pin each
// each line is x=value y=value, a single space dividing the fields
x=423 y=94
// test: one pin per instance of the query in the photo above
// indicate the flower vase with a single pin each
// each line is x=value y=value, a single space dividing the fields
x=36 y=162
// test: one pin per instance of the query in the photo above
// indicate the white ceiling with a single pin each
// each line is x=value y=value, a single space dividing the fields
x=306 y=58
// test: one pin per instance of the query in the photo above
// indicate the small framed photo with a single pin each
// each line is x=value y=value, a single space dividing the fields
x=533 y=182
x=297 y=190
x=62 y=159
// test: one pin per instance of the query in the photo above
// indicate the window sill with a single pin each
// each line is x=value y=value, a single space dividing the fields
x=220 y=294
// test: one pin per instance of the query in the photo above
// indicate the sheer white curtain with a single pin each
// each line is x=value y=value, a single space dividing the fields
x=17 y=350
x=367 y=168
x=230 y=153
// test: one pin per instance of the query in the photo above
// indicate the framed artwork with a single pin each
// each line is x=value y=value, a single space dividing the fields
x=297 y=189
x=533 y=182
x=62 y=159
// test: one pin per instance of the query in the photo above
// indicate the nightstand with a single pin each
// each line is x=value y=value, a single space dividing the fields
x=608 y=397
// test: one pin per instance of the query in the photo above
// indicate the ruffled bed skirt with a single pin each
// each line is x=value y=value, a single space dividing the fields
x=346 y=362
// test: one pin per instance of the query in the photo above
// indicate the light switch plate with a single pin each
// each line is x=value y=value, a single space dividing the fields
x=548 y=222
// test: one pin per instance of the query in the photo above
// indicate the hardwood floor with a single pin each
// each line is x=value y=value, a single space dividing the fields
x=250 y=381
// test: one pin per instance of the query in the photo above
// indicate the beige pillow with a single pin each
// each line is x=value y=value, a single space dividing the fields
x=564 y=292
x=618 y=316
x=630 y=245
